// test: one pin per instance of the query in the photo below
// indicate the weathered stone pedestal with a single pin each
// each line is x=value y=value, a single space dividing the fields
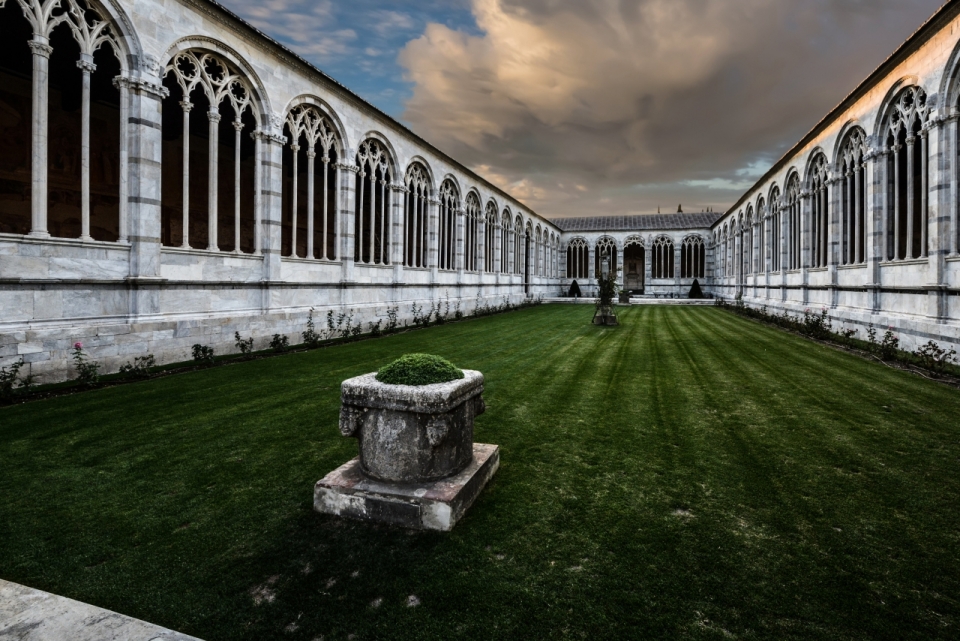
x=418 y=466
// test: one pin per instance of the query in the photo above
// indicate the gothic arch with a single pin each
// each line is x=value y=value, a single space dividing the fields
x=258 y=93
x=888 y=106
x=393 y=160
x=324 y=109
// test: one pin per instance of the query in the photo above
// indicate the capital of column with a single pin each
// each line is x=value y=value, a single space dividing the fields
x=153 y=89
x=238 y=125
x=345 y=167
x=311 y=153
x=268 y=137
x=186 y=105
x=911 y=140
x=896 y=148
x=86 y=65
x=399 y=187
x=213 y=116
x=40 y=48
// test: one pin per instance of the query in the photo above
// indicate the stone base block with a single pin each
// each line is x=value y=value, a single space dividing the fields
x=423 y=506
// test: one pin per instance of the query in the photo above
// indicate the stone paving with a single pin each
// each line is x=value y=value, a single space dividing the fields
x=33 y=615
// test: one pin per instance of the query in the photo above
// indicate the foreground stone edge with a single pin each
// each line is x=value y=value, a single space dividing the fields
x=27 y=614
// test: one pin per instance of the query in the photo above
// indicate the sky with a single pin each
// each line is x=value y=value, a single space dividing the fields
x=601 y=107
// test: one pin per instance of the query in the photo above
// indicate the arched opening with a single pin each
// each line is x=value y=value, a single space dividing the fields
x=449 y=207
x=663 y=258
x=776 y=231
x=518 y=257
x=605 y=255
x=310 y=178
x=506 y=265
x=416 y=216
x=490 y=238
x=761 y=236
x=819 y=212
x=209 y=164
x=907 y=175
x=578 y=255
x=634 y=266
x=77 y=144
x=793 y=213
x=372 y=218
x=693 y=258
x=853 y=185
x=471 y=224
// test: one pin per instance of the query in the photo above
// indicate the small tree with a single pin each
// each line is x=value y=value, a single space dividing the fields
x=607 y=292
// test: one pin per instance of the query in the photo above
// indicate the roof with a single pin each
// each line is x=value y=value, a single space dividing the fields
x=648 y=222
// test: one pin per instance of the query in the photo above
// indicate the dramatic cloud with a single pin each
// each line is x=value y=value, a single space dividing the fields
x=586 y=107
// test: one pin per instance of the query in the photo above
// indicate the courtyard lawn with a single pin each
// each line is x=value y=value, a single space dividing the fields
x=688 y=475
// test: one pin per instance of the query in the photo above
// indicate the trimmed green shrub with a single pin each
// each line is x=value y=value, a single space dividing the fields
x=419 y=369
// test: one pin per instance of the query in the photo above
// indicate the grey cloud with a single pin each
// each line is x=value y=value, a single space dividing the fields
x=633 y=99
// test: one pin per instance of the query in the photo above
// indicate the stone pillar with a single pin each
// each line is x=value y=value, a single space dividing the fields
x=677 y=267
x=270 y=161
x=311 y=198
x=187 y=106
x=835 y=244
x=124 y=206
x=238 y=128
x=294 y=199
x=212 y=192
x=397 y=204
x=41 y=108
x=876 y=217
x=86 y=66
x=348 y=194
x=937 y=198
x=144 y=199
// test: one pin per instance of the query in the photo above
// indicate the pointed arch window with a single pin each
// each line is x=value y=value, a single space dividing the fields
x=416 y=216
x=776 y=231
x=217 y=205
x=490 y=238
x=907 y=176
x=518 y=244
x=578 y=256
x=606 y=249
x=793 y=215
x=761 y=236
x=309 y=224
x=853 y=184
x=447 y=233
x=506 y=240
x=663 y=257
x=819 y=212
x=372 y=217
x=693 y=258
x=64 y=97
x=471 y=233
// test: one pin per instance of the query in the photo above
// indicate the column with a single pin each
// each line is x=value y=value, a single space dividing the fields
x=876 y=217
x=325 y=253
x=86 y=66
x=123 y=87
x=41 y=108
x=347 y=216
x=858 y=212
x=911 y=195
x=311 y=198
x=257 y=191
x=145 y=107
x=214 y=117
x=924 y=191
x=238 y=127
x=294 y=199
x=186 y=105
x=399 y=248
x=270 y=164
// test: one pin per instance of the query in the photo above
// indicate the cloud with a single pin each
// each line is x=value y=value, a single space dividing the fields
x=641 y=101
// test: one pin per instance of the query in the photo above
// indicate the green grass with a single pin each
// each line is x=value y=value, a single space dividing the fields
x=687 y=475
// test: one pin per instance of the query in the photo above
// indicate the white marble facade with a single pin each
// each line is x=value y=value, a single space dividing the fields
x=320 y=201
x=149 y=290
x=861 y=217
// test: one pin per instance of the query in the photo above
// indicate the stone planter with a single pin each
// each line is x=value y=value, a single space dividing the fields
x=418 y=465
x=412 y=434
